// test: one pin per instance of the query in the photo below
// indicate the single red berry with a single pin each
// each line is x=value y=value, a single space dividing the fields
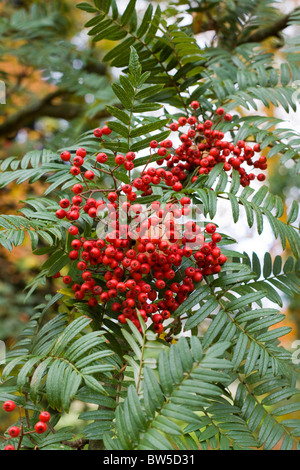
x=162 y=152
x=216 y=237
x=101 y=158
x=77 y=188
x=92 y=212
x=128 y=166
x=67 y=280
x=220 y=111
x=65 y=156
x=185 y=201
x=228 y=117
x=160 y=284
x=157 y=318
x=182 y=121
x=78 y=161
x=120 y=159
x=44 y=416
x=195 y=105
x=210 y=228
x=9 y=447
x=174 y=126
x=261 y=177
x=81 y=152
x=75 y=171
x=153 y=144
x=40 y=427
x=73 y=230
x=98 y=133
x=14 y=431
x=89 y=175
x=165 y=314
x=106 y=130
x=60 y=214
x=9 y=406
x=177 y=187
x=158 y=328
x=130 y=156
x=73 y=255
x=64 y=203
x=56 y=276
x=112 y=197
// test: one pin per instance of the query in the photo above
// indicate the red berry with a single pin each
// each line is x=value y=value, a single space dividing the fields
x=174 y=126
x=112 y=197
x=89 y=175
x=40 y=427
x=60 y=214
x=185 y=201
x=182 y=121
x=220 y=111
x=210 y=228
x=14 y=431
x=177 y=187
x=128 y=166
x=92 y=212
x=130 y=156
x=64 y=203
x=65 y=156
x=73 y=230
x=75 y=171
x=120 y=159
x=98 y=132
x=73 y=255
x=158 y=328
x=81 y=152
x=9 y=406
x=157 y=318
x=77 y=188
x=106 y=130
x=227 y=117
x=56 y=276
x=102 y=158
x=160 y=284
x=153 y=144
x=9 y=447
x=67 y=280
x=78 y=160
x=44 y=416
x=195 y=104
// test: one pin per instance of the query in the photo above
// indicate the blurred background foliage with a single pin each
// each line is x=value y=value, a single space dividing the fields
x=57 y=87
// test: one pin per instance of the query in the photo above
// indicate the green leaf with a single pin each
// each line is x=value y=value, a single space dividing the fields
x=146 y=128
x=135 y=67
x=128 y=12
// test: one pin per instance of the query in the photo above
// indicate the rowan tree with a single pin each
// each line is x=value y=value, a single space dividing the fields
x=161 y=321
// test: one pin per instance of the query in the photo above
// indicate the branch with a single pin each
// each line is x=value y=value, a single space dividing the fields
x=267 y=32
x=44 y=108
x=78 y=444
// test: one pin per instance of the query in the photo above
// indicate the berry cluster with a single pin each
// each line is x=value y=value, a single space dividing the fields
x=140 y=261
x=18 y=431
x=202 y=148
x=152 y=268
